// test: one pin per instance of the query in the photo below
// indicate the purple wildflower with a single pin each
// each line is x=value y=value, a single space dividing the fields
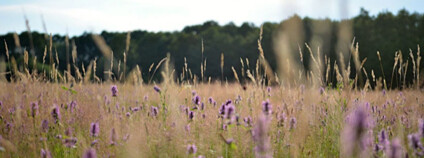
x=70 y=142
x=90 y=153
x=222 y=109
x=395 y=149
x=154 y=110
x=72 y=105
x=191 y=149
x=56 y=113
x=266 y=107
x=355 y=131
x=34 y=109
x=421 y=127
x=248 y=121
x=268 y=89
x=293 y=123
x=157 y=89
x=94 y=142
x=94 y=129
x=68 y=131
x=45 y=153
x=191 y=115
x=228 y=102
x=193 y=93
x=229 y=111
x=114 y=90
x=112 y=137
x=45 y=126
x=261 y=138
x=383 y=139
x=210 y=100
x=196 y=100
x=415 y=143
x=321 y=90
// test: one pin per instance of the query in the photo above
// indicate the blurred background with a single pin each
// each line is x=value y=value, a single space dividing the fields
x=300 y=39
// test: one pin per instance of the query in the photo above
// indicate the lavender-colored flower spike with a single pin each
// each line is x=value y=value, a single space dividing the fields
x=157 y=89
x=383 y=139
x=45 y=153
x=196 y=100
x=293 y=123
x=229 y=111
x=191 y=149
x=34 y=109
x=45 y=126
x=354 y=132
x=421 y=127
x=90 y=153
x=248 y=121
x=415 y=143
x=266 y=107
x=112 y=137
x=191 y=115
x=395 y=149
x=210 y=100
x=261 y=138
x=56 y=113
x=114 y=90
x=321 y=90
x=94 y=129
x=72 y=105
x=70 y=142
x=154 y=110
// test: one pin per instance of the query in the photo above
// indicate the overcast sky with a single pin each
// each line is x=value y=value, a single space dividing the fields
x=76 y=16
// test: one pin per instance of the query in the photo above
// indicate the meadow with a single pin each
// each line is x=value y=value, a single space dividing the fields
x=210 y=120
x=49 y=113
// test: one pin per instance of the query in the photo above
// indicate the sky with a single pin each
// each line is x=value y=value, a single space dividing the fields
x=75 y=17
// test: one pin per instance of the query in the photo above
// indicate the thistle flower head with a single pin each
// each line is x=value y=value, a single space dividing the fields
x=114 y=90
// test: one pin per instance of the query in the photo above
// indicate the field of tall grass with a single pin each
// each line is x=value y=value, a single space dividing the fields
x=59 y=115
x=209 y=120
